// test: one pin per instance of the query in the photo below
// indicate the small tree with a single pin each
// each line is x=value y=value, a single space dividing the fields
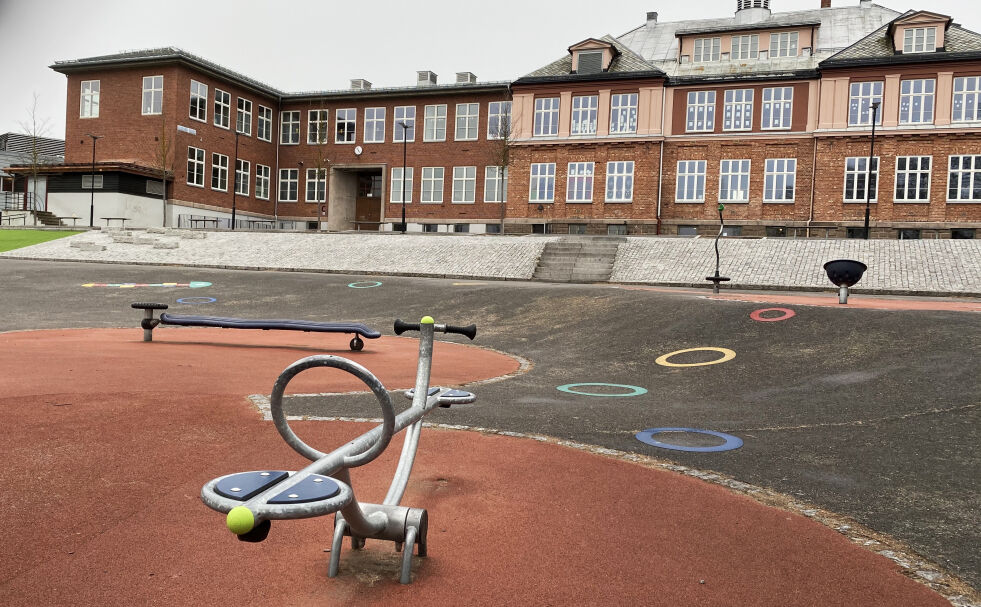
x=321 y=163
x=35 y=128
x=165 y=162
x=501 y=157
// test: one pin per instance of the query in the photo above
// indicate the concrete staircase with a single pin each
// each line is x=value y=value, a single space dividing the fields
x=578 y=259
x=48 y=219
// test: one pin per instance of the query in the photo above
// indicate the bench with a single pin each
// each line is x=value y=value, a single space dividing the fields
x=122 y=220
x=148 y=323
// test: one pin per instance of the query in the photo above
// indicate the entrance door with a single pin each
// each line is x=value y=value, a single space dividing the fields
x=368 y=206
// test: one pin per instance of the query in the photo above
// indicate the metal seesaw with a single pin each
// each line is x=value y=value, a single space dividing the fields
x=253 y=499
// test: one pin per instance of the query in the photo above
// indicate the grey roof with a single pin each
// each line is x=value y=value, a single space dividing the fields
x=17 y=143
x=626 y=62
x=877 y=47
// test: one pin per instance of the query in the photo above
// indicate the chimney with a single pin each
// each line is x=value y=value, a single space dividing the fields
x=360 y=84
x=825 y=3
x=425 y=78
x=752 y=11
x=652 y=17
x=465 y=78
x=865 y=3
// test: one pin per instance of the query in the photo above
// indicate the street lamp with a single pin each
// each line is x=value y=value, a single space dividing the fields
x=405 y=140
x=868 y=169
x=92 y=181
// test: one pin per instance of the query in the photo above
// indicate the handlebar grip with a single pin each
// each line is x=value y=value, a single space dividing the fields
x=468 y=331
x=402 y=327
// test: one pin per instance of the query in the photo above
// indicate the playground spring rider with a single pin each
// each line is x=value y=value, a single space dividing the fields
x=253 y=499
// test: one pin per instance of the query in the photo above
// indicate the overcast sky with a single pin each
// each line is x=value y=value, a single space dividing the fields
x=300 y=45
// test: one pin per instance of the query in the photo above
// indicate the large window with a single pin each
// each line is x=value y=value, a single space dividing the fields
x=691 y=181
x=243 y=117
x=857 y=174
x=264 y=128
x=967 y=99
x=707 y=49
x=620 y=181
x=623 y=113
x=778 y=107
x=701 y=111
x=289 y=128
x=783 y=45
x=404 y=124
x=781 y=177
x=546 y=116
x=153 y=95
x=916 y=101
x=498 y=119
x=223 y=108
x=861 y=97
x=464 y=184
x=434 y=128
x=541 y=182
x=262 y=181
x=734 y=181
x=584 y=114
x=316 y=186
x=746 y=47
x=737 y=115
x=495 y=184
x=374 y=125
x=579 y=187
x=89 y=100
x=289 y=183
x=396 y=194
x=195 y=167
x=920 y=40
x=913 y=178
x=467 y=115
x=964 y=179
x=219 y=172
x=199 y=101
x=318 y=126
x=432 y=183
x=243 y=174
x=345 y=124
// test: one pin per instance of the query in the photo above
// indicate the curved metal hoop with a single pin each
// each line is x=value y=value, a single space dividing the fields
x=336 y=362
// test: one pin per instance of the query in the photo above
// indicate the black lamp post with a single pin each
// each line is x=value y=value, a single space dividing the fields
x=405 y=140
x=92 y=181
x=868 y=169
x=235 y=178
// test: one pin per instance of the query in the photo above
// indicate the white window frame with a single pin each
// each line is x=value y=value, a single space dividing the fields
x=907 y=172
x=243 y=116
x=199 y=93
x=856 y=192
x=396 y=189
x=402 y=113
x=490 y=184
x=784 y=44
x=464 y=185
x=433 y=176
x=919 y=40
x=318 y=127
x=263 y=130
x=289 y=177
x=967 y=100
x=434 y=123
x=467 y=122
x=541 y=182
x=498 y=118
x=243 y=176
x=546 y=116
x=585 y=109
x=700 y=110
x=924 y=114
x=777 y=112
x=288 y=135
x=222 y=108
x=737 y=109
x=623 y=113
x=219 y=172
x=580 y=179
x=88 y=100
x=746 y=46
x=734 y=171
x=690 y=182
x=262 y=182
x=195 y=166
x=973 y=174
x=779 y=173
x=314 y=190
x=701 y=54
x=153 y=87
x=620 y=181
x=861 y=96
x=374 y=125
x=348 y=119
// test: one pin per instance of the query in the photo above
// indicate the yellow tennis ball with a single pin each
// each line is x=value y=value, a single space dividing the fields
x=427 y=320
x=240 y=520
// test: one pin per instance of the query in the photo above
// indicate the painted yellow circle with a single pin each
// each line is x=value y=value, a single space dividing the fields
x=427 y=320
x=727 y=355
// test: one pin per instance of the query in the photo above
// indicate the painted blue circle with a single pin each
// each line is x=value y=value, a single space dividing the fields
x=634 y=390
x=731 y=442
x=196 y=300
x=365 y=284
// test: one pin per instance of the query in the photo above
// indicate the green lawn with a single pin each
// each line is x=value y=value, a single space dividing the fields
x=15 y=239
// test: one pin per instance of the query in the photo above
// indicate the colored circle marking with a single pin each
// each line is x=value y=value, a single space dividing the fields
x=365 y=284
x=634 y=390
x=731 y=442
x=131 y=285
x=757 y=315
x=727 y=355
x=193 y=301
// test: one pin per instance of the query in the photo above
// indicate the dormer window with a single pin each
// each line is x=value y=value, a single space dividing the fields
x=783 y=45
x=707 y=49
x=590 y=62
x=920 y=40
x=745 y=47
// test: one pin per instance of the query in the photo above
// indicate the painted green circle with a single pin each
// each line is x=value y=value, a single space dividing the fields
x=634 y=390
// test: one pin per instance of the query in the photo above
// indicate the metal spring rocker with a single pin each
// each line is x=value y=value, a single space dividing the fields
x=253 y=499
x=716 y=279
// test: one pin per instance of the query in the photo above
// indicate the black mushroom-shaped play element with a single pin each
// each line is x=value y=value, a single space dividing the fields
x=844 y=273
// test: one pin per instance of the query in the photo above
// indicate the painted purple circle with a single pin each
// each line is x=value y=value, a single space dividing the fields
x=757 y=315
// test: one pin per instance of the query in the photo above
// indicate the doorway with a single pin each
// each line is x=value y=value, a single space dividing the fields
x=355 y=198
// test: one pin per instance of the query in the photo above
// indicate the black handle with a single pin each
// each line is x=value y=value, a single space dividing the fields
x=469 y=330
x=402 y=327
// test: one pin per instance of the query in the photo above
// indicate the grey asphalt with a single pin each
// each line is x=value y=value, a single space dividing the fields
x=870 y=414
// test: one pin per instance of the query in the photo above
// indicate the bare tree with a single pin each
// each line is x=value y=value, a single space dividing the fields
x=35 y=128
x=501 y=157
x=320 y=161
x=165 y=162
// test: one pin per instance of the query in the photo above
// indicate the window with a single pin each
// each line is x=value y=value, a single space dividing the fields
x=264 y=128
x=855 y=233
x=289 y=180
x=195 y=167
x=687 y=230
x=374 y=125
x=223 y=105
x=620 y=181
x=962 y=233
x=778 y=105
x=745 y=47
x=584 y=114
x=464 y=183
x=707 y=49
x=691 y=181
x=862 y=96
x=734 y=181
x=856 y=172
x=494 y=177
x=778 y=232
x=579 y=187
x=920 y=40
x=541 y=228
x=243 y=170
x=153 y=95
x=461 y=228
x=541 y=183
x=430 y=227
x=152 y=186
x=738 y=111
x=701 y=111
x=546 y=116
x=783 y=45
x=317 y=126
x=616 y=229
x=345 y=123
x=498 y=119
x=590 y=62
x=262 y=181
x=492 y=228
x=967 y=99
x=623 y=113
x=434 y=128
x=913 y=178
x=577 y=228
x=908 y=234
x=396 y=189
x=432 y=183
x=89 y=101
x=316 y=190
x=94 y=182
x=289 y=128
x=219 y=172
x=732 y=231
x=781 y=177
x=964 y=179
x=404 y=126
x=916 y=101
x=243 y=117
x=466 y=121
